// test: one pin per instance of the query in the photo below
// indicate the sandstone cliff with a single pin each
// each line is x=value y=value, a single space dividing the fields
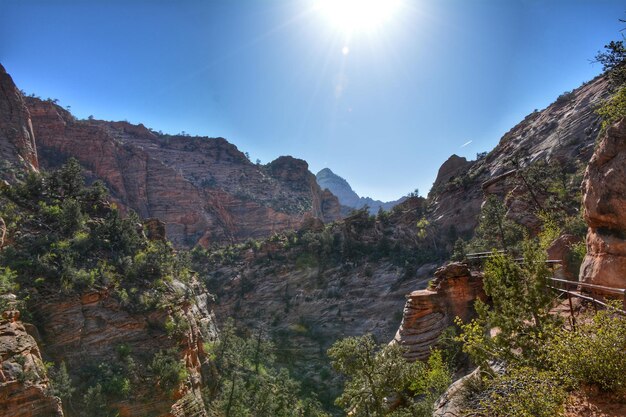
x=24 y=387
x=604 y=201
x=427 y=313
x=18 y=153
x=563 y=133
x=204 y=189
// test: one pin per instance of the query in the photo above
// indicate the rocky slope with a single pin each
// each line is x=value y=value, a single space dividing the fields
x=18 y=153
x=604 y=201
x=564 y=133
x=204 y=189
x=349 y=199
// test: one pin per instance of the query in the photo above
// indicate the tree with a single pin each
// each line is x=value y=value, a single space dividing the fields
x=61 y=384
x=495 y=230
x=613 y=60
x=520 y=312
x=250 y=385
x=380 y=382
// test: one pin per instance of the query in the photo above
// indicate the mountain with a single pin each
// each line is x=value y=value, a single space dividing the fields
x=349 y=199
x=562 y=135
x=204 y=189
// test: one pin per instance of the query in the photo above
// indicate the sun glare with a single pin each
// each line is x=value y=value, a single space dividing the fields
x=352 y=16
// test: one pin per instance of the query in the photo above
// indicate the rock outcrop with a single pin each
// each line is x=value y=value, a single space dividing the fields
x=428 y=312
x=563 y=133
x=18 y=153
x=349 y=199
x=24 y=387
x=204 y=189
x=604 y=201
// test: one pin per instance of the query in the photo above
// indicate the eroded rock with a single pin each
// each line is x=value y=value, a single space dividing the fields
x=604 y=201
x=428 y=312
x=24 y=387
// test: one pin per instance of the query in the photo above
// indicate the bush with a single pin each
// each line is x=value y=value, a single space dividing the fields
x=168 y=369
x=613 y=109
x=521 y=392
x=595 y=353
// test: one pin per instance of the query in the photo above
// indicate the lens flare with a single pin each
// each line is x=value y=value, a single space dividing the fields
x=352 y=16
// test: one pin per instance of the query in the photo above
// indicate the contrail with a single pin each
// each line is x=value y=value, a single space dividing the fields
x=466 y=143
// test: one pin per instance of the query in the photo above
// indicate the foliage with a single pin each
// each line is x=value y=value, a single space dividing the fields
x=60 y=383
x=594 y=353
x=249 y=384
x=168 y=369
x=613 y=109
x=380 y=382
x=519 y=392
x=65 y=235
x=495 y=230
x=520 y=310
x=612 y=60
x=8 y=285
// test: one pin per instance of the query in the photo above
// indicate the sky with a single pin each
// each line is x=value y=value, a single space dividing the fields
x=383 y=99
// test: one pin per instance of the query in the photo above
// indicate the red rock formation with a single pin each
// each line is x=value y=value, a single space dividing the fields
x=205 y=190
x=88 y=329
x=23 y=383
x=428 y=312
x=604 y=201
x=17 y=141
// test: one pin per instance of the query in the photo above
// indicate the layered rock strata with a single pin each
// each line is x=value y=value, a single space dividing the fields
x=24 y=387
x=88 y=329
x=204 y=189
x=427 y=313
x=604 y=201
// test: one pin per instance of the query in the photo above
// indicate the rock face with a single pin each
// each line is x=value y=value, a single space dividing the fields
x=428 y=312
x=604 y=201
x=88 y=330
x=350 y=200
x=204 y=189
x=565 y=132
x=18 y=153
x=24 y=388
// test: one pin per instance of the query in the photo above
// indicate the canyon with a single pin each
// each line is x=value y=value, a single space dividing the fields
x=276 y=250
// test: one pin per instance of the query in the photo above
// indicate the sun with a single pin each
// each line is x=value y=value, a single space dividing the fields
x=351 y=16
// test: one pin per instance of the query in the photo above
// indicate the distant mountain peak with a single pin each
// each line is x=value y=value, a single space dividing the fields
x=348 y=198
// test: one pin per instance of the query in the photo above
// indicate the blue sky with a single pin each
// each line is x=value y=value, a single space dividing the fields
x=271 y=76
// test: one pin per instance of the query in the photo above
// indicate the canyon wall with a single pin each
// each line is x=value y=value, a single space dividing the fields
x=204 y=189
x=604 y=201
x=18 y=153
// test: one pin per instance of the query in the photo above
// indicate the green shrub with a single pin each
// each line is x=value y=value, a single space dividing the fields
x=519 y=392
x=613 y=109
x=168 y=369
x=595 y=353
